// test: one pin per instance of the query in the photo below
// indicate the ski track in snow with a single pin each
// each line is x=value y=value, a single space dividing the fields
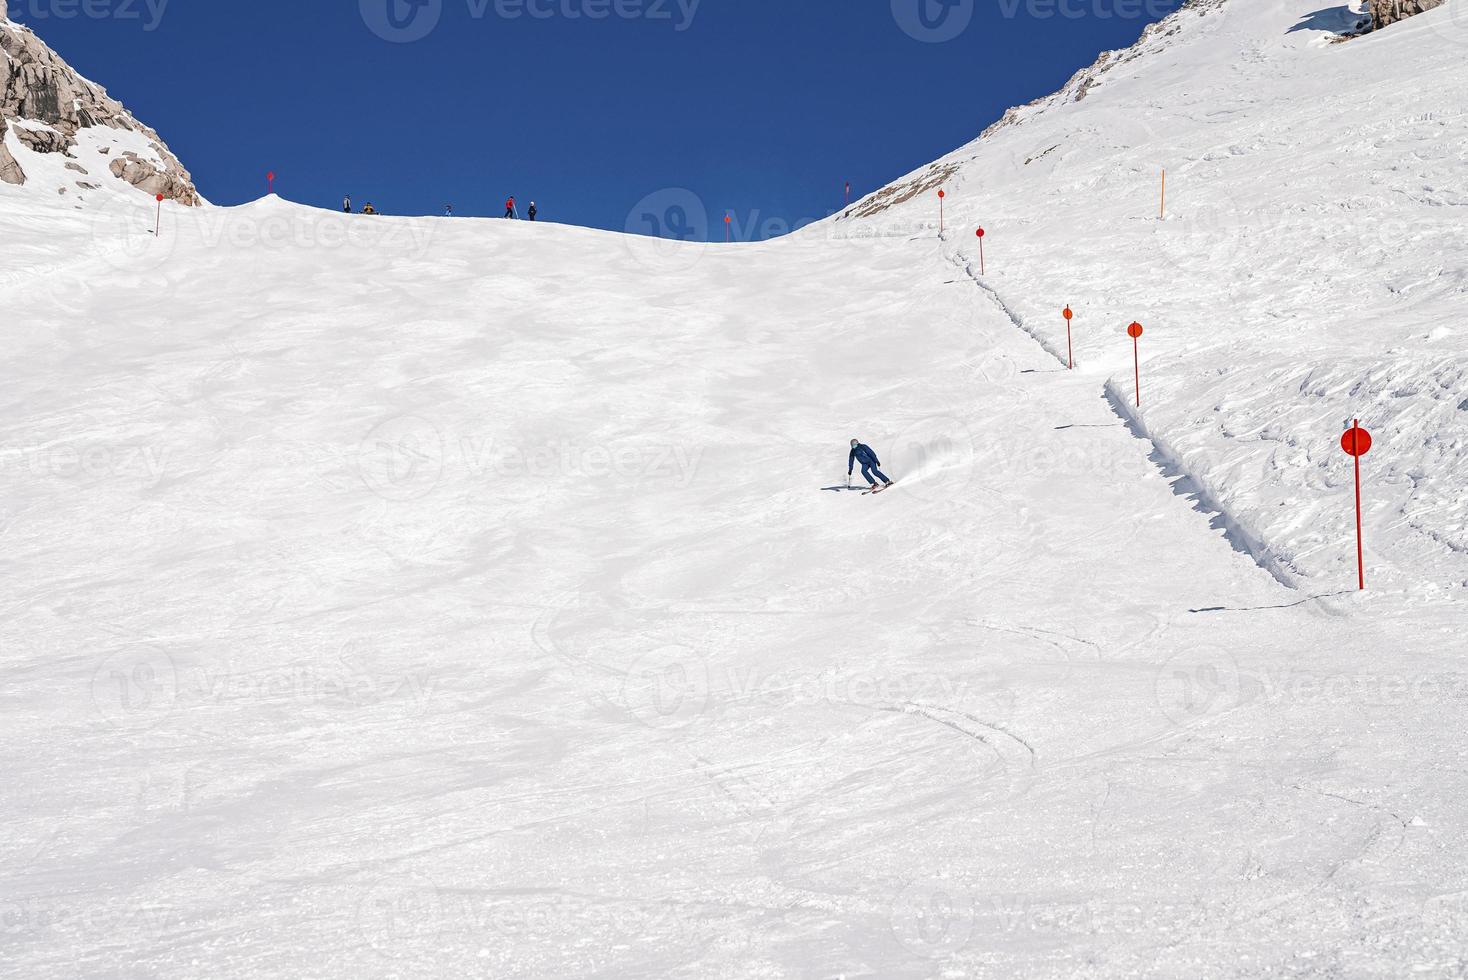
x=490 y=622
x=1188 y=484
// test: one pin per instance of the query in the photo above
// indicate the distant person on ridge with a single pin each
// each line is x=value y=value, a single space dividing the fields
x=448 y=210
x=347 y=204
x=869 y=463
x=533 y=211
x=510 y=208
x=369 y=209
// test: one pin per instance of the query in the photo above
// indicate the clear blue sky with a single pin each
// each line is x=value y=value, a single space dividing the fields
x=760 y=107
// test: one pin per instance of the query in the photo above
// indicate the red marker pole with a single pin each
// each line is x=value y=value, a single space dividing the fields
x=941 y=194
x=728 y=231
x=1069 y=346
x=271 y=178
x=1357 y=443
x=158 y=223
x=980 y=233
x=1135 y=332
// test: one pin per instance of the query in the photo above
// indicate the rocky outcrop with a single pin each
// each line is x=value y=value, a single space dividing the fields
x=10 y=171
x=1387 y=12
x=930 y=179
x=1154 y=38
x=38 y=86
x=148 y=178
x=44 y=140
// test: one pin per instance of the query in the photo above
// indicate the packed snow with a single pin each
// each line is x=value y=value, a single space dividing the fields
x=1311 y=269
x=405 y=597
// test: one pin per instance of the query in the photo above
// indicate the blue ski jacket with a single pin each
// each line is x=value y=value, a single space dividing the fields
x=861 y=454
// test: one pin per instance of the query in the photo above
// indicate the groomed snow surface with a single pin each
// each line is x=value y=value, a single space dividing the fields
x=392 y=597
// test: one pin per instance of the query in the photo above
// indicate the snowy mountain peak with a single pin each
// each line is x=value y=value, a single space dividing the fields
x=54 y=124
x=1155 y=38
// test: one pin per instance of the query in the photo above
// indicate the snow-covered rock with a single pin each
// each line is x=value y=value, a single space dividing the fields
x=45 y=103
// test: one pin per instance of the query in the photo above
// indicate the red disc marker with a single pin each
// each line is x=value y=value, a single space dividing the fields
x=1356 y=441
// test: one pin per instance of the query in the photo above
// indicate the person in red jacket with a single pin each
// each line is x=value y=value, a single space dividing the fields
x=510 y=208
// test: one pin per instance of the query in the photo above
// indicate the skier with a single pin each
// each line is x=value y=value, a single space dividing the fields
x=448 y=210
x=533 y=211
x=869 y=464
x=347 y=204
x=510 y=207
x=369 y=209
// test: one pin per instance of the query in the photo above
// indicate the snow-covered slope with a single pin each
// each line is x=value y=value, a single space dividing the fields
x=1310 y=269
x=419 y=597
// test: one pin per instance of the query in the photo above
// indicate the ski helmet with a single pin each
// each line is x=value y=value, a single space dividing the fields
x=855 y=443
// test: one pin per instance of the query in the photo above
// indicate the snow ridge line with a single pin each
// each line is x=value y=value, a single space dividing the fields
x=1014 y=318
x=1168 y=462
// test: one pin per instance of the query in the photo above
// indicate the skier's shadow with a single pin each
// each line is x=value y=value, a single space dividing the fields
x=844 y=489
